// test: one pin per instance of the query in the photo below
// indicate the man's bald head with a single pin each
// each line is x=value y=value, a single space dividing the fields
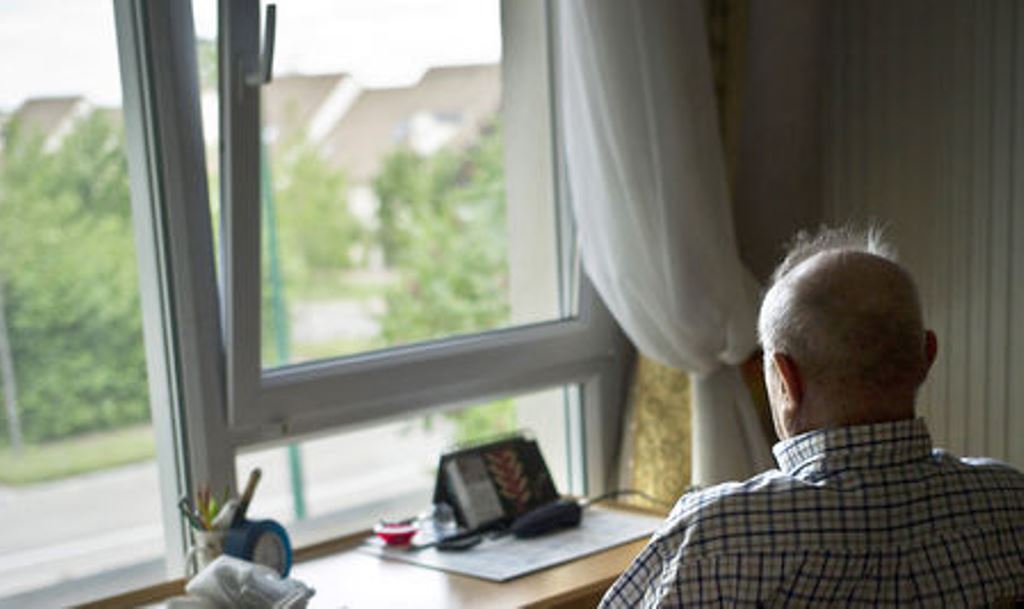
x=849 y=318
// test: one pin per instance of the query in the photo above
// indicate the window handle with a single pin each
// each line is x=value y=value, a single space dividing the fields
x=266 y=73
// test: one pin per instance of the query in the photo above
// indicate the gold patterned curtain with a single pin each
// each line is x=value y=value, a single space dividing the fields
x=657 y=441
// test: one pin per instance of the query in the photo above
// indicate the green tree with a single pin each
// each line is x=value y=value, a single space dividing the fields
x=316 y=233
x=68 y=261
x=207 y=59
x=443 y=217
x=316 y=228
x=443 y=228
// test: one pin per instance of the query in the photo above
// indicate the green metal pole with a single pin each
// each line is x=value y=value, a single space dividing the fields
x=280 y=319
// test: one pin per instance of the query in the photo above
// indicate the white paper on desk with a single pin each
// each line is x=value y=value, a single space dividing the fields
x=506 y=558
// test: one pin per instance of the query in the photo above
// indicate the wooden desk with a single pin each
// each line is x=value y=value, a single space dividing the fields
x=346 y=578
x=360 y=581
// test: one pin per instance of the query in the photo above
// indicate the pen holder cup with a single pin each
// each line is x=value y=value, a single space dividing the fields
x=206 y=546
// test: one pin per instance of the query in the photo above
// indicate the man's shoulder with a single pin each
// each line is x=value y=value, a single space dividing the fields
x=977 y=463
x=980 y=471
x=716 y=512
x=708 y=500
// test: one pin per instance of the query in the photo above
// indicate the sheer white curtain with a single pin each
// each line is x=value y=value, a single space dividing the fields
x=647 y=180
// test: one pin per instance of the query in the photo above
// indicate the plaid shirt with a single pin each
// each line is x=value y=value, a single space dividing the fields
x=866 y=516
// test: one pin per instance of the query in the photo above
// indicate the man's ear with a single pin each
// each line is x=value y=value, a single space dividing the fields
x=931 y=350
x=931 y=347
x=792 y=383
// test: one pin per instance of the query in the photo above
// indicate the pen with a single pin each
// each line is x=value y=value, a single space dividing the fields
x=203 y=505
x=243 y=503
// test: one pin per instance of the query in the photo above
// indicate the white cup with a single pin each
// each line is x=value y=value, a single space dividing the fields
x=206 y=546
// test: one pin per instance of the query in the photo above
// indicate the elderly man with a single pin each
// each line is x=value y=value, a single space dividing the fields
x=863 y=511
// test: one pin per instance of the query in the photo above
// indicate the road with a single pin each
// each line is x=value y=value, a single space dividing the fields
x=73 y=528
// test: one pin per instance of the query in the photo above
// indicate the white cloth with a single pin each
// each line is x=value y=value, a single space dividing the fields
x=239 y=584
x=647 y=181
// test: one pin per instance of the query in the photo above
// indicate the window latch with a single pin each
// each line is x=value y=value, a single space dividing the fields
x=266 y=71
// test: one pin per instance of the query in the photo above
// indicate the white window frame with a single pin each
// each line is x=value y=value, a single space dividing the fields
x=173 y=240
x=211 y=398
x=268 y=405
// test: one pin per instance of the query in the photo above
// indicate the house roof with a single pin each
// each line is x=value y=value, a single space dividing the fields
x=47 y=115
x=291 y=102
x=375 y=124
x=356 y=128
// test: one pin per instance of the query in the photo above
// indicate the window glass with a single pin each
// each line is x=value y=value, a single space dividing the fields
x=385 y=218
x=79 y=493
x=345 y=481
x=204 y=18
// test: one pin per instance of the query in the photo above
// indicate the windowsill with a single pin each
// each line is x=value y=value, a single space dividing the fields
x=579 y=583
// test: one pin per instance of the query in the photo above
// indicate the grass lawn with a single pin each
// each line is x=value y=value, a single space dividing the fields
x=79 y=455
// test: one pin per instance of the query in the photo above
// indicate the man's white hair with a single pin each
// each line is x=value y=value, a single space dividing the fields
x=841 y=306
x=806 y=245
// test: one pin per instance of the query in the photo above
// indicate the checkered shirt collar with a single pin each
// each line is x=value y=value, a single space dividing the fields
x=824 y=451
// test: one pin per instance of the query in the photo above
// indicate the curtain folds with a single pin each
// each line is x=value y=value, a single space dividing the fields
x=648 y=185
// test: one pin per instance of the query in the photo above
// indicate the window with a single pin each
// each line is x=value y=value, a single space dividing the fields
x=384 y=208
x=552 y=342
x=412 y=286
x=468 y=291
x=363 y=242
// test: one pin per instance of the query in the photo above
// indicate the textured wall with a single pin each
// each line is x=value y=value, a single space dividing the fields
x=777 y=185
x=925 y=133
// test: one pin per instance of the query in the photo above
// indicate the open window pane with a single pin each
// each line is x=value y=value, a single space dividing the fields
x=204 y=17
x=346 y=481
x=386 y=219
x=79 y=491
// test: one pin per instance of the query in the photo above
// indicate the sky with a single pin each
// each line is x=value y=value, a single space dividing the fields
x=62 y=47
